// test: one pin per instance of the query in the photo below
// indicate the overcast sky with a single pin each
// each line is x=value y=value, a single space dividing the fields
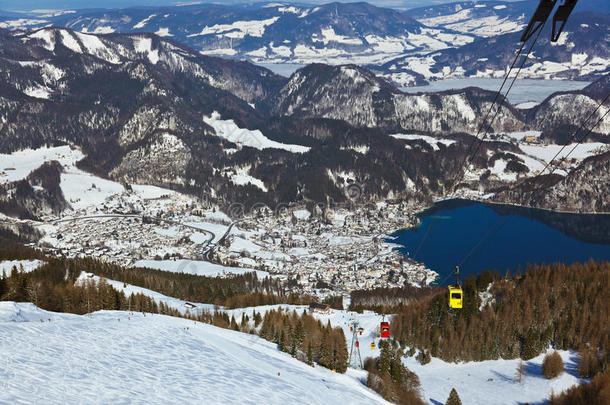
x=15 y=5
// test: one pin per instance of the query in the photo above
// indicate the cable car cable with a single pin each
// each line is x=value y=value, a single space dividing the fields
x=421 y=244
x=469 y=156
x=482 y=125
x=570 y=139
x=480 y=242
x=474 y=249
x=584 y=137
x=489 y=127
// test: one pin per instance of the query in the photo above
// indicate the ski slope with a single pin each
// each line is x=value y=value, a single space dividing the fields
x=117 y=357
x=197 y=267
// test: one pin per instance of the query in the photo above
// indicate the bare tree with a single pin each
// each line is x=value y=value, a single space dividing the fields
x=520 y=374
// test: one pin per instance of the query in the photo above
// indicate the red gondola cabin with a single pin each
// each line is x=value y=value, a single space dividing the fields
x=385 y=329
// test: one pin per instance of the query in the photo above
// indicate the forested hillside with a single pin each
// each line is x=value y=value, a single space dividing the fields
x=306 y=338
x=564 y=306
x=55 y=287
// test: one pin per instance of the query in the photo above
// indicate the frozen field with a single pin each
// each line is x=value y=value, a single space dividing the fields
x=524 y=90
x=199 y=268
x=282 y=69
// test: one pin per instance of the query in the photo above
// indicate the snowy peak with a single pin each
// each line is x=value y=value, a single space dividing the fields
x=334 y=33
x=47 y=49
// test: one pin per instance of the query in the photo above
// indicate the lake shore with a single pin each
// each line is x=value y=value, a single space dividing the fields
x=531 y=236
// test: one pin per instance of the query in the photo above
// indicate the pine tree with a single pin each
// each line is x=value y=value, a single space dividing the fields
x=281 y=341
x=234 y=325
x=309 y=354
x=454 y=398
x=341 y=354
x=384 y=358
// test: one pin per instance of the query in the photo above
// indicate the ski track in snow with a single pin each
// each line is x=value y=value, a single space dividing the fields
x=145 y=346
x=115 y=357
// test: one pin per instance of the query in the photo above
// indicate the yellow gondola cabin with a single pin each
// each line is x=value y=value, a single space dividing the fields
x=456 y=297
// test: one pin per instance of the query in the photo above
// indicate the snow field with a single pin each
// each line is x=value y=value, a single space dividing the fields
x=493 y=381
x=238 y=29
x=115 y=356
x=253 y=138
x=27 y=265
x=548 y=152
x=434 y=142
x=199 y=268
x=18 y=165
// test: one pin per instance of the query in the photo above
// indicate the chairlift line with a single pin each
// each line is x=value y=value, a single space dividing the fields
x=535 y=26
x=502 y=220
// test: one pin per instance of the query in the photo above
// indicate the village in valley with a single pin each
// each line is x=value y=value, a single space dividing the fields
x=329 y=250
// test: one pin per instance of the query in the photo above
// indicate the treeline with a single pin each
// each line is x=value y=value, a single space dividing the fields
x=306 y=338
x=386 y=300
x=15 y=251
x=300 y=335
x=235 y=291
x=558 y=305
x=54 y=287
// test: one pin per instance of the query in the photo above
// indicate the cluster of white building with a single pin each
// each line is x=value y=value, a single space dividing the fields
x=338 y=250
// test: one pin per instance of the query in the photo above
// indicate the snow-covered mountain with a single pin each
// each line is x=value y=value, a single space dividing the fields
x=480 y=18
x=463 y=39
x=271 y=33
x=488 y=18
x=148 y=110
x=582 y=52
x=357 y=96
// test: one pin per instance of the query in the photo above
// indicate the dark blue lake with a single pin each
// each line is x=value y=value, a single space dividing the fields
x=518 y=237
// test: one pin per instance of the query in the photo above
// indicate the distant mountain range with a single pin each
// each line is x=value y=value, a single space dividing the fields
x=336 y=32
x=463 y=39
x=148 y=110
